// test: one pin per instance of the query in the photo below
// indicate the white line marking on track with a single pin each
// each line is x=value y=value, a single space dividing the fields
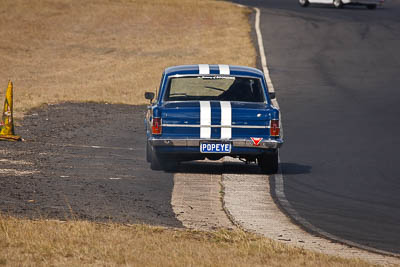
x=86 y=146
x=17 y=172
x=16 y=162
x=262 y=52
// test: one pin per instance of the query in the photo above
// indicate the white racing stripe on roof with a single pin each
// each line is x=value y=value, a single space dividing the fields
x=205 y=119
x=204 y=69
x=226 y=120
x=224 y=69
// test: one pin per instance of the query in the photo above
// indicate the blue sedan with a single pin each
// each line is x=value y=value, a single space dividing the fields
x=211 y=111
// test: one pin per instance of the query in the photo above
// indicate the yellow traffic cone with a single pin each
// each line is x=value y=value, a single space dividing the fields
x=7 y=122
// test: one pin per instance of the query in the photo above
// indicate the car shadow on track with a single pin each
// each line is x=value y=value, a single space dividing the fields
x=219 y=167
x=216 y=167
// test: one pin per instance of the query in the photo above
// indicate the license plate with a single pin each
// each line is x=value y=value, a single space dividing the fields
x=215 y=148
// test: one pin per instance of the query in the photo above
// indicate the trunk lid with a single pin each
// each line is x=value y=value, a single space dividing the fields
x=185 y=119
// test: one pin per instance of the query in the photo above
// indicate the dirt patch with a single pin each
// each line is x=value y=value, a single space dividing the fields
x=84 y=161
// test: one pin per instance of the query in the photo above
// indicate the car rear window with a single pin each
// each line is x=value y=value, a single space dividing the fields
x=222 y=88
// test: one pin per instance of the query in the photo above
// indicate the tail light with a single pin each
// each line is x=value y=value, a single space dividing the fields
x=156 y=127
x=274 y=129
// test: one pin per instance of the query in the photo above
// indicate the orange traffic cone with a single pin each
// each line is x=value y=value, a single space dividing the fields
x=7 y=122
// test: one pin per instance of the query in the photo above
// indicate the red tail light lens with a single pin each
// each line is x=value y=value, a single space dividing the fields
x=274 y=128
x=156 y=127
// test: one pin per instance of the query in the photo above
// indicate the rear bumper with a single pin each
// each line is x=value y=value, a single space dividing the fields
x=238 y=143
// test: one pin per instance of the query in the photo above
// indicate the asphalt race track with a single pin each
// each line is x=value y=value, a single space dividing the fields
x=336 y=73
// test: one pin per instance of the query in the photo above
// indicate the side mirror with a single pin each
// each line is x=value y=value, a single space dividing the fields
x=149 y=96
x=272 y=95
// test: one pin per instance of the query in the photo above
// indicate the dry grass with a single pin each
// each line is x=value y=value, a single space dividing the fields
x=25 y=242
x=112 y=50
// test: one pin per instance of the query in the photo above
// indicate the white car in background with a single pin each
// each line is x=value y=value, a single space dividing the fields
x=370 y=4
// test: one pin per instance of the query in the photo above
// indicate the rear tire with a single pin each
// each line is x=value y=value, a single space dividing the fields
x=337 y=3
x=148 y=152
x=268 y=162
x=304 y=3
x=155 y=163
x=160 y=162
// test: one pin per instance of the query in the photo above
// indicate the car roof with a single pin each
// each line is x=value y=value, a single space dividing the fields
x=208 y=69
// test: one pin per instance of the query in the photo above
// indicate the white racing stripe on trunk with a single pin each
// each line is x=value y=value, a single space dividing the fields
x=226 y=120
x=204 y=69
x=205 y=119
x=224 y=69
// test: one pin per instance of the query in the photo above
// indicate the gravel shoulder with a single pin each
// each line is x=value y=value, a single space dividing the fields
x=84 y=161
